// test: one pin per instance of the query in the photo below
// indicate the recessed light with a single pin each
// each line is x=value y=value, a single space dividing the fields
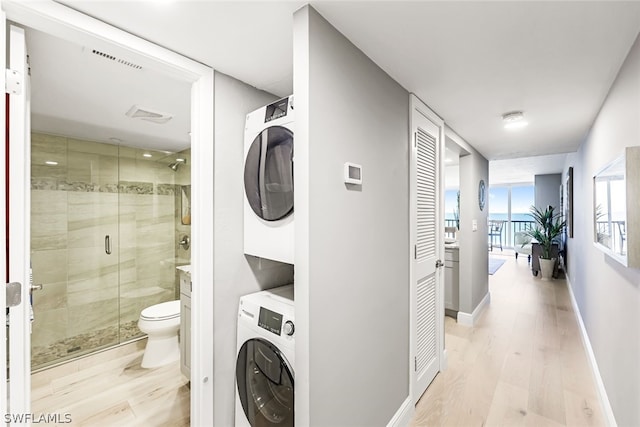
x=179 y=160
x=515 y=125
x=514 y=120
x=147 y=155
x=51 y=163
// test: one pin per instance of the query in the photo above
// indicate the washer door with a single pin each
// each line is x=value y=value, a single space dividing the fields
x=265 y=384
x=268 y=173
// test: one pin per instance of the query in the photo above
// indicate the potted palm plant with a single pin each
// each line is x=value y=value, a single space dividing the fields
x=549 y=225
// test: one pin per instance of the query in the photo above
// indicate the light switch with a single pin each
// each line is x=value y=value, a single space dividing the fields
x=474 y=225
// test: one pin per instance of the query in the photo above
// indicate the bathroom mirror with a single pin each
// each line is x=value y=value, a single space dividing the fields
x=185 y=204
x=615 y=199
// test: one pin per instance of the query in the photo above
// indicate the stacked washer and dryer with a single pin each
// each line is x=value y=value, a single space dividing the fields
x=266 y=326
x=268 y=182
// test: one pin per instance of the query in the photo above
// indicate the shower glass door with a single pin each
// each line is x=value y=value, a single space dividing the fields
x=74 y=247
x=104 y=221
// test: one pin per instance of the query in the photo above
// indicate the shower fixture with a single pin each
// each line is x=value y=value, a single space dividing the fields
x=175 y=165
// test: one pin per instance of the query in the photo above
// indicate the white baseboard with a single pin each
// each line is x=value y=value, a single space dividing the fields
x=602 y=392
x=467 y=319
x=403 y=415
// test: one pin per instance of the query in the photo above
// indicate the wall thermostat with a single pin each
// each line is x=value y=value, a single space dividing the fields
x=352 y=173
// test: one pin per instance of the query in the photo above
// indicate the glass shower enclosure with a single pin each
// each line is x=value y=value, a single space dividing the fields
x=104 y=220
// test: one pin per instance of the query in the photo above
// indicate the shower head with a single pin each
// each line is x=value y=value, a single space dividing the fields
x=175 y=165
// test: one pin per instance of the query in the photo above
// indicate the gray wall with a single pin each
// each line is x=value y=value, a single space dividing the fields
x=352 y=264
x=474 y=280
x=547 y=191
x=234 y=273
x=607 y=293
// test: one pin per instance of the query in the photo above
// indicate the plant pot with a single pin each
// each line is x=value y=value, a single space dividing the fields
x=546 y=268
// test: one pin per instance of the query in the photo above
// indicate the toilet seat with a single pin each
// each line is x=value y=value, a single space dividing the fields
x=163 y=311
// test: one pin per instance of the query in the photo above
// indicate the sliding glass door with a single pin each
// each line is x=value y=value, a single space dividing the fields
x=511 y=203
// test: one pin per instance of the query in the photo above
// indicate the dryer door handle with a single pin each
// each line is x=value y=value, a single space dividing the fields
x=264 y=145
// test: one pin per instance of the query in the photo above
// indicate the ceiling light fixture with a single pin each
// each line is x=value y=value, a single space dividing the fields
x=147 y=155
x=514 y=120
x=50 y=163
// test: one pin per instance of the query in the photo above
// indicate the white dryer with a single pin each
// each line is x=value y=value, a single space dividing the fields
x=268 y=182
x=265 y=362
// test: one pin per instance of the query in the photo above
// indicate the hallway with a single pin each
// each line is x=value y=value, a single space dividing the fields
x=523 y=364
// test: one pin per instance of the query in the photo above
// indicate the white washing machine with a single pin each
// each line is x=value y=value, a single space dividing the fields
x=268 y=182
x=265 y=361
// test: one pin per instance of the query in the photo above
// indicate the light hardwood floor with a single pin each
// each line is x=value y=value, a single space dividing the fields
x=111 y=389
x=523 y=364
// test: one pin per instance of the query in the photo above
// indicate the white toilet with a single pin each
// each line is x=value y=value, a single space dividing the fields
x=161 y=323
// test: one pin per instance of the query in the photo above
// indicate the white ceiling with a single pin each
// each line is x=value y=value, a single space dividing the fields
x=470 y=61
x=524 y=169
x=77 y=93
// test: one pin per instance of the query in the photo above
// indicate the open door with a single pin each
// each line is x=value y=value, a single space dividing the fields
x=15 y=173
x=427 y=229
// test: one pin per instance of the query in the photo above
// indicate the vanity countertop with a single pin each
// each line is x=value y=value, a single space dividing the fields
x=185 y=268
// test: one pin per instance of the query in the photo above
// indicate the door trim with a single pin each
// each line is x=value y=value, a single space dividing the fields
x=66 y=23
x=419 y=107
x=19 y=230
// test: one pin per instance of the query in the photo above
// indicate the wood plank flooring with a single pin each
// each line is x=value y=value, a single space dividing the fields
x=111 y=389
x=523 y=364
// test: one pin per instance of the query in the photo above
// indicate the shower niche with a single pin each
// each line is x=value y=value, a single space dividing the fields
x=103 y=230
x=185 y=204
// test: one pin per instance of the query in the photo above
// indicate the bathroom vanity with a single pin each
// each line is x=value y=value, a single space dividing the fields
x=451 y=279
x=185 y=320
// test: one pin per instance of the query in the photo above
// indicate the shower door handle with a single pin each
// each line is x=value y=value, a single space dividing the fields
x=107 y=244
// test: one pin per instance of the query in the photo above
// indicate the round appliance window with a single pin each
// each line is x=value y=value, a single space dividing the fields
x=265 y=384
x=268 y=174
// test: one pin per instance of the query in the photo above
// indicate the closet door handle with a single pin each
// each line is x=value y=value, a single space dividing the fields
x=107 y=244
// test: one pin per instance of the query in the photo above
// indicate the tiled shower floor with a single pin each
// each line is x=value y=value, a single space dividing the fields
x=59 y=351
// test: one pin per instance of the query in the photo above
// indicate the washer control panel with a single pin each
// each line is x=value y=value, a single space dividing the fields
x=270 y=320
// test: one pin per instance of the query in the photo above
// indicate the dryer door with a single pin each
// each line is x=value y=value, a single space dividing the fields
x=268 y=173
x=265 y=384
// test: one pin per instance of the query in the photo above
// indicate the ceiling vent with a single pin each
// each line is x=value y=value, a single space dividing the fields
x=144 y=113
x=116 y=59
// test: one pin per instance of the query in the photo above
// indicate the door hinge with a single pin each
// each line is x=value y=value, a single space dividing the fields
x=13 y=294
x=415 y=364
x=13 y=82
x=415 y=139
x=415 y=251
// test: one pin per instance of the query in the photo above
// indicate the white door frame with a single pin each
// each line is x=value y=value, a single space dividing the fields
x=417 y=106
x=19 y=232
x=63 y=22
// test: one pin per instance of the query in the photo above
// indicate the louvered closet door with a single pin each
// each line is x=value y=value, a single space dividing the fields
x=426 y=211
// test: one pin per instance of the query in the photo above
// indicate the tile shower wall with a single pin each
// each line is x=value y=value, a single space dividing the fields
x=182 y=212
x=90 y=299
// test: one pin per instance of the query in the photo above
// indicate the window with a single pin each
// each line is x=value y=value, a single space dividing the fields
x=451 y=209
x=511 y=203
